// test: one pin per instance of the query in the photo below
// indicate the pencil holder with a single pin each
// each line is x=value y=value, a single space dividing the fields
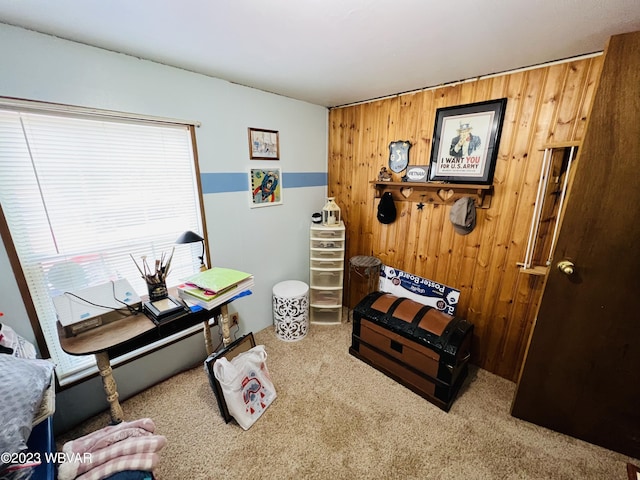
x=157 y=291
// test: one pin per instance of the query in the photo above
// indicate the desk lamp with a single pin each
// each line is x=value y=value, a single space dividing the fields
x=192 y=237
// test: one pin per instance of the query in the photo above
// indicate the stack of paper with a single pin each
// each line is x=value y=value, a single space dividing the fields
x=215 y=286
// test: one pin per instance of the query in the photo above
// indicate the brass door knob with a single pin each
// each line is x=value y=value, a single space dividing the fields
x=566 y=267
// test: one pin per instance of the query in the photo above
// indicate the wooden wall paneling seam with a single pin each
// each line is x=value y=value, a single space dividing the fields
x=569 y=102
x=377 y=129
x=483 y=87
x=481 y=291
x=507 y=300
x=350 y=197
x=595 y=64
x=505 y=270
x=348 y=161
x=369 y=210
x=457 y=259
x=524 y=287
x=422 y=149
x=365 y=208
x=449 y=96
x=493 y=273
x=578 y=120
x=483 y=318
x=457 y=246
x=408 y=129
x=366 y=131
x=409 y=122
x=395 y=230
x=554 y=120
x=481 y=94
x=425 y=260
x=406 y=126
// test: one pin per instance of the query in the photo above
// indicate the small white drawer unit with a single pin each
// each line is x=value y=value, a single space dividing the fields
x=326 y=255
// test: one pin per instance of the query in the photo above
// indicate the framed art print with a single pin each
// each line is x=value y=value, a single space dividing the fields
x=264 y=144
x=266 y=187
x=465 y=142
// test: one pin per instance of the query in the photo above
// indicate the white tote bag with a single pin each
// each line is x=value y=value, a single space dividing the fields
x=246 y=385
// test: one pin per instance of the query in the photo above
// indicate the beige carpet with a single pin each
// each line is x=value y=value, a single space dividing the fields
x=337 y=418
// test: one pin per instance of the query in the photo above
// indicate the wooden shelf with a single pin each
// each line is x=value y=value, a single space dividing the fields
x=435 y=193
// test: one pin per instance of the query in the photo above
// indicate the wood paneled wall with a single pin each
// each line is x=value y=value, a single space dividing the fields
x=545 y=105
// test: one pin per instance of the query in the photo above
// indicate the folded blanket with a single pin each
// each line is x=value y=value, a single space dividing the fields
x=138 y=461
x=80 y=464
x=109 y=435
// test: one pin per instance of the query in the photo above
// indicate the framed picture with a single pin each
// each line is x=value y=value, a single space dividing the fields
x=263 y=144
x=164 y=308
x=266 y=187
x=465 y=142
x=229 y=352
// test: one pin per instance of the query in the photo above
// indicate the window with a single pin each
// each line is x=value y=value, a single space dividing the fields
x=82 y=192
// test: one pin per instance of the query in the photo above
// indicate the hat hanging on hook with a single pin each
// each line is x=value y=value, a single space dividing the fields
x=386 y=209
x=463 y=215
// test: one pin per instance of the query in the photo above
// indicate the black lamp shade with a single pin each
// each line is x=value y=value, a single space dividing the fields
x=193 y=237
x=189 y=237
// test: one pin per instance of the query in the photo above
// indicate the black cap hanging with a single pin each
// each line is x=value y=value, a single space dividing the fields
x=386 y=209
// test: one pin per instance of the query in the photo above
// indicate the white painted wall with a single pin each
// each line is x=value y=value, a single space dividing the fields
x=271 y=243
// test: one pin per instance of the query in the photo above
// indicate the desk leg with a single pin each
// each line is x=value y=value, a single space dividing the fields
x=223 y=321
x=226 y=335
x=207 y=337
x=110 y=388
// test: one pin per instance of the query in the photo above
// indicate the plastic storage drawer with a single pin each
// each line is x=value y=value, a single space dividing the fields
x=325 y=254
x=327 y=243
x=326 y=278
x=330 y=315
x=335 y=234
x=326 y=264
x=326 y=297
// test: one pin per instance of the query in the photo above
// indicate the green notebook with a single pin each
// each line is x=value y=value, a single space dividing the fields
x=217 y=279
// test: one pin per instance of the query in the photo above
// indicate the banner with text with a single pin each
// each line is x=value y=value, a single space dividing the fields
x=418 y=289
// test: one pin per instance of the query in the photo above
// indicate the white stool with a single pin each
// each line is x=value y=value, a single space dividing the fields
x=291 y=310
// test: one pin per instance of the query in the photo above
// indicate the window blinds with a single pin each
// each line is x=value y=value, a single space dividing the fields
x=81 y=194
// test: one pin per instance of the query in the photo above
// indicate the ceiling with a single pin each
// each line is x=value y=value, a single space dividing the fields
x=335 y=52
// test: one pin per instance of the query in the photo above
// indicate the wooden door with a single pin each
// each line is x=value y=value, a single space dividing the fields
x=581 y=375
